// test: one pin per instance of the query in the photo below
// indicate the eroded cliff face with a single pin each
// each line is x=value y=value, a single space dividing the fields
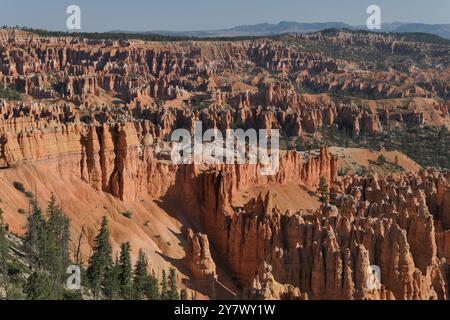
x=390 y=222
x=326 y=254
x=113 y=158
x=106 y=109
x=117 y=158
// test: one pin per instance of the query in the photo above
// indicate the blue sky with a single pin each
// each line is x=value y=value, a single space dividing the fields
x=140 y=15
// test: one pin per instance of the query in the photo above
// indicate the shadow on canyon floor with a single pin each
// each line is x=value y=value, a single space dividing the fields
x=189 y=215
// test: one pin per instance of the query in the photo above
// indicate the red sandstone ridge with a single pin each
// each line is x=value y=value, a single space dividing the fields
x=328 y=257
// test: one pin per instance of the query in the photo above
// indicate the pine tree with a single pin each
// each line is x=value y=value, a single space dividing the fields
x=57 y=233
x=59 y=225
x=323 y=189
x=141 y=278
x=100 y=262
x=164 y=291
x=125 y=276
x=152 y=290
x=3 y=254
x=112 y=282
x=51 y=249
x=39 y=287
x=381 y=160
x=35 y=242
x=47 y=244
x=173 y=292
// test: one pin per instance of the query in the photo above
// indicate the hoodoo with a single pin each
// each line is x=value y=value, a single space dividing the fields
x=360 y=193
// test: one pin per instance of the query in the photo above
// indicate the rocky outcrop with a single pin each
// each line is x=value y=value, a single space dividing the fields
x=326 y=256
x=198 y=256
x=387 y=222
x=107 y=108
x=265 y=287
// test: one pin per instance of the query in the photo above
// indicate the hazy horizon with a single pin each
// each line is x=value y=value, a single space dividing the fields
x=178 y=15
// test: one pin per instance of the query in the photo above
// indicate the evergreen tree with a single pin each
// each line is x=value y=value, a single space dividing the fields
x=164 y=291
x=47 y=244
x=112 y=282
x=323 y=189
x=39 y=287
x=57 y=233
x=35 y=242
x=59 y=226
x=141 y=278
x=125 y=274
x=381 y=160
x=173 y=292
x=3 y=254
x=100 y=262
x=152 y=290
x=50 y=254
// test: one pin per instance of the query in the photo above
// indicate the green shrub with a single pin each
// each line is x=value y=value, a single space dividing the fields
x=13 y=271
x=72 y=295
x=15 y=293
x=19 y=186
x=127 y=214
x=342 y=172
x=381 y=160
x=10 y=94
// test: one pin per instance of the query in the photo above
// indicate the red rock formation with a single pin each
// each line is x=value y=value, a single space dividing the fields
x=267 y=288
x=198 y=257
x=400 y=222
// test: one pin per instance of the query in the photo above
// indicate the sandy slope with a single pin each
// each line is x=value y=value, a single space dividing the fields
x=151 y=228
x=85 y=206
x=290 y=197
x=353 y=159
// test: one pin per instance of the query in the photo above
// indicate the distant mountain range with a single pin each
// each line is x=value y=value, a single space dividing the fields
x=268 y=29
x=442 y=30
